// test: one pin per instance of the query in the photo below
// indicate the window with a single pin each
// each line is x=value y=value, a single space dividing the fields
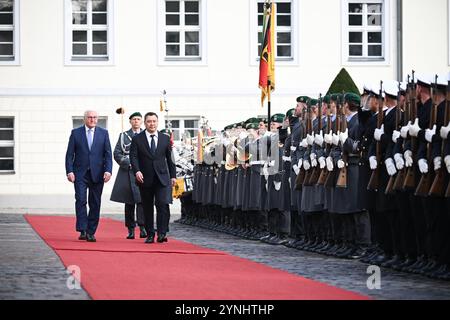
x=9 y=31
x=182 y=36
x=78 y=121
x=6 y=144
x=283 y=23
x=88 y=30
x=365 y=26
x=285 y=28
x=182 y=126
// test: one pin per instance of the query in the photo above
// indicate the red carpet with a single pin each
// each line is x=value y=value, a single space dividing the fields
x=117 y=268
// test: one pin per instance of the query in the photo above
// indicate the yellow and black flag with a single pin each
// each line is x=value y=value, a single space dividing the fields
x=267 y=56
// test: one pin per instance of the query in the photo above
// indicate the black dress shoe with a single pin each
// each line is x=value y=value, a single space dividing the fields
x=82 y=235
x=143 y=233
x=90 y=238
x=150 y=239
x=130 y=233
x=162 y=238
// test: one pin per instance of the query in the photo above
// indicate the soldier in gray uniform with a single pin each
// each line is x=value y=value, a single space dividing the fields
x=125 y=189
x=296 y=163
x=278 y=219
x=289 y=124
x=257 y=190
x=355 y=220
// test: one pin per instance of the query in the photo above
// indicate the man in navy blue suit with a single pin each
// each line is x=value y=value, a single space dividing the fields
x=88 y=167
x=151 y=161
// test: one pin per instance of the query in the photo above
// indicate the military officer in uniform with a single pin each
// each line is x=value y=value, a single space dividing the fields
x=125 y=189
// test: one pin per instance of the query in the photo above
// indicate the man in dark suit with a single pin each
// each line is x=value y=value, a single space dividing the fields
x=88 y=166
x=151 y=160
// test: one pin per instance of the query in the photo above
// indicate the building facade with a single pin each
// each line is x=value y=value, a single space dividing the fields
x=61 y=57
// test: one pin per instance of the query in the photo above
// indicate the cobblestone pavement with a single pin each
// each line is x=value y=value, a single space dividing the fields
x=29 y=269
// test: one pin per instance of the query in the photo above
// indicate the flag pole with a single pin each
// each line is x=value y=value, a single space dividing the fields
x=268 y=105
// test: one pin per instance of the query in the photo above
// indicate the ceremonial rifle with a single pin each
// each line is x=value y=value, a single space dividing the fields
x=426 y=179
x=375 y=177
x=316 y=170
x=342 y=178
x=410 y=179
x=398 y=114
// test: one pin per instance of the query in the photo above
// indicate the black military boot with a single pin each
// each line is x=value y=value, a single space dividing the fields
x=142 y=233
x=130 y=233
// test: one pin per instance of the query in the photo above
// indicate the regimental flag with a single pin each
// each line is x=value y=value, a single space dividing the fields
x=267 y=56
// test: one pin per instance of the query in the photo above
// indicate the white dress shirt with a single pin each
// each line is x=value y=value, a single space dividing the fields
x=87 y=134
x=149 y=139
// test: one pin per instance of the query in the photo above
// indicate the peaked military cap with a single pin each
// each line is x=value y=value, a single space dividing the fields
x=135 y=114
x=391 y=89
x=165 y=131
x=425 y=80
x=326 y=99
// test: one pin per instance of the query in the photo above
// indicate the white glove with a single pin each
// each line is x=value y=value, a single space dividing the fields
x=408 y=158
x=445 y=131
x=266 y=172
x=404 y=130
x=310 y=139
x=390 y=167
x=378 y=133
x=313 y=158
x=340 y=164
x=430 y=133
x=300 y=163
x=296 y=169
x=267 y=134
x=328 y=137
x=423 y=166
x=437 y=163
x=414 y=129
x=304 y=144
x=335 y=139
x=373 y=162
x=447 y=163
x=330 y=165
x=318 y=139
x=322 y=162
x=277 y=185
x=242 y=135
x=399 y=162
x=306 y=165
x=395 y=136
x=343 y=136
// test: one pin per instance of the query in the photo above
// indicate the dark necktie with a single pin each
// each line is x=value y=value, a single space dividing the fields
x=152 y=144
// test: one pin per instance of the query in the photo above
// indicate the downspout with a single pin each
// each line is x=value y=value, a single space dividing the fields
x=400 y=40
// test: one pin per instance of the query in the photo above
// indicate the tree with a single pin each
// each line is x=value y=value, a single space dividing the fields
x=343 y=82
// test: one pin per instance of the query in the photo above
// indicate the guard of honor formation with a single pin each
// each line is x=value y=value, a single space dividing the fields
x=368 y=181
